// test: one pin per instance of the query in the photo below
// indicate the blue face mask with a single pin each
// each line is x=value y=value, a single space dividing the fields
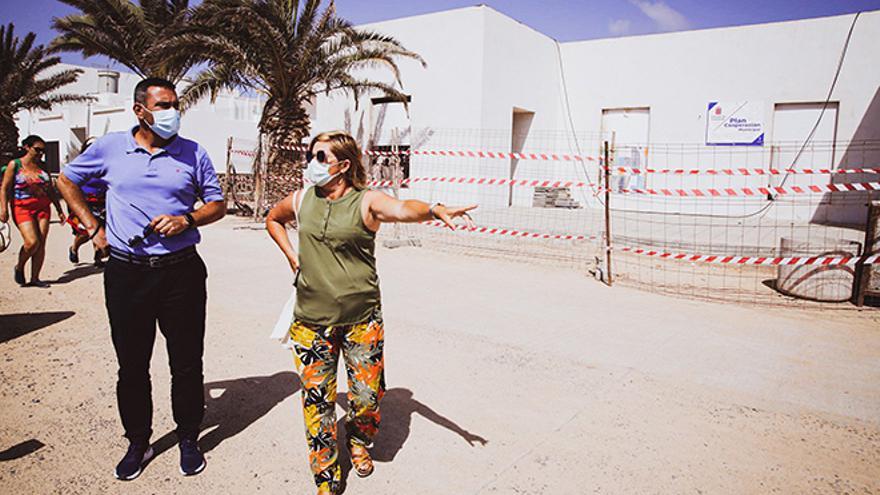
x=166 y=123
x=319 y=173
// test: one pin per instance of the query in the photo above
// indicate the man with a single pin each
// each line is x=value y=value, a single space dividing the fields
x=154 y=178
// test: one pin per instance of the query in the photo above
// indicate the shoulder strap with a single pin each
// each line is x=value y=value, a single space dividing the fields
x=18 y=164
x=297 y=203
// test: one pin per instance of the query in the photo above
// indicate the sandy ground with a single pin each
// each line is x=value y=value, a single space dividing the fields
x=575 y=388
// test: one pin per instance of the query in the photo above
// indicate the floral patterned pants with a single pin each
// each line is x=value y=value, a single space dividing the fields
x=316 y=351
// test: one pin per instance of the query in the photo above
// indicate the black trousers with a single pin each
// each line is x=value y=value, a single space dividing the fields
x=137 y=298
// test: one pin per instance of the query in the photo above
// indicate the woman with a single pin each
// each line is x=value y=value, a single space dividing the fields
x=338 y=307
x=95 y=192
x=33 y=195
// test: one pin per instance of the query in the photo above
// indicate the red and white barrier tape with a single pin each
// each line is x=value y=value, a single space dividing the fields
x=743 y=171
x=617 y=170
x=484 y=181
x=452 y=153
x=693 y=258
x=699 y=193
x=755 y=191
x=515 y=233
x=756 y=260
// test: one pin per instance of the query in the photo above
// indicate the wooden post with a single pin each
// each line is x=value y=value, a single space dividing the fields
x=228 y=180
x=872 y=245
x=607 y=184
x=260 y=178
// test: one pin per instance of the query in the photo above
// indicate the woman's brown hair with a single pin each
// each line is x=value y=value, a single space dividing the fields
x=344 y=147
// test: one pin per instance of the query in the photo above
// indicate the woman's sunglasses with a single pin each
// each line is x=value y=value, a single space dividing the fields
x=321 y=156
x=39 y=151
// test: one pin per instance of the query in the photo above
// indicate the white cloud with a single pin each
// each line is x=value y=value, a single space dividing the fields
x=619 y=27
x=665 y=17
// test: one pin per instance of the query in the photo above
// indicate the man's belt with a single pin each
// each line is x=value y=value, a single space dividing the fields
x=155 y=261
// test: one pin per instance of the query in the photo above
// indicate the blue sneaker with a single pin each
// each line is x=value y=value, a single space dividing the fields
x=192 y=462
x=130 y=467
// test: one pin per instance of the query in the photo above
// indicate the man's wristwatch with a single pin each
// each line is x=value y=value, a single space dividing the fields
x=190 y=221
x=431 y=210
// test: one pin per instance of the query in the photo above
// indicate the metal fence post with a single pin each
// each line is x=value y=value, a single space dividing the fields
x=607 y=184
x=863 y=272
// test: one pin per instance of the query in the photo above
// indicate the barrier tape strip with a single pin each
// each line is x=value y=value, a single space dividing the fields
x=693 y=258
x=616 y=170
x=755 y=191
x=743 y=171
x=699 y=193
x=487 y=181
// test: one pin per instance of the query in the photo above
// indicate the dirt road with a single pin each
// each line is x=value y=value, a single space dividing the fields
x=575 y=388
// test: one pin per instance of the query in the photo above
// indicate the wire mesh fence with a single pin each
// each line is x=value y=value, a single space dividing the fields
x=782 y=223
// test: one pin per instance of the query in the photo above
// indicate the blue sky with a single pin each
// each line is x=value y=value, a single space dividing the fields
x=565 y=20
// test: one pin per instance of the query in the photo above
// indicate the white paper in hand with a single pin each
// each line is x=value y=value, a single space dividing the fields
x=281 y=332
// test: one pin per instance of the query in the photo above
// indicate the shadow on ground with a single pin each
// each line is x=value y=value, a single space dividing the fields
x=397 y=408
x=233 y=405
x=27 y=447
x=15 y=325
x=81 y=271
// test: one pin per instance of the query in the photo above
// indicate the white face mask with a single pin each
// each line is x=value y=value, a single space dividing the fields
x=319 y=173
x=166 y=123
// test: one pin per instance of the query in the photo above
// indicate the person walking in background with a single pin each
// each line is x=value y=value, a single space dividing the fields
x=33 y=194
x=338 y=305
x=95 y=195
x=154 y=178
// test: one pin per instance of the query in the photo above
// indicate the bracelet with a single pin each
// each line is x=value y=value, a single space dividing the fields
x=92 y=237
x=190 y=221
x=431 y=209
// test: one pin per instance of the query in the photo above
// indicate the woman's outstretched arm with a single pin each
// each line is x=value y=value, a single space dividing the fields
x=385 y=209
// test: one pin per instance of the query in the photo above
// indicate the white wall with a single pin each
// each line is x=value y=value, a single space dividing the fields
x=209 y=124
x=483 y=64
x=674 y=74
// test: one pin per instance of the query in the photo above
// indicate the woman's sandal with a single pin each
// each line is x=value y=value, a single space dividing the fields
x=360 y=459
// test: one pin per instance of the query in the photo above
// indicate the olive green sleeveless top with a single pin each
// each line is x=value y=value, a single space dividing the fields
x=337 y=283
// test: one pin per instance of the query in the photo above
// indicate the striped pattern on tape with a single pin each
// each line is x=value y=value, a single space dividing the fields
x=616 y=170
x=693 y=258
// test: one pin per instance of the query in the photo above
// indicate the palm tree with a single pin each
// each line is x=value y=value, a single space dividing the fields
x=290 y=53
x=125 y=32
x=22 y=88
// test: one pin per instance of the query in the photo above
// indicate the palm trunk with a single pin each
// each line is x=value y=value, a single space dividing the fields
x=8 y=138
x=284 y=125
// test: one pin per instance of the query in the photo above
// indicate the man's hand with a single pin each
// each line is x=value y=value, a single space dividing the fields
x=4 y=216
x=99 y=241
x=169 y=225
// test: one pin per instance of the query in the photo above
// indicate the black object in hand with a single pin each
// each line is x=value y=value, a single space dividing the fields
x=137 y=240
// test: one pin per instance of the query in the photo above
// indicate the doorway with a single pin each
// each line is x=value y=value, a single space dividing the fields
x=519 y=133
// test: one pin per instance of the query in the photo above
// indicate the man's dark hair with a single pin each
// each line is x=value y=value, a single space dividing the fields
x=140 y=91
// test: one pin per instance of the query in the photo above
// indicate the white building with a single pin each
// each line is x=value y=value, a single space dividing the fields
x=66 y=126
x=495 y=84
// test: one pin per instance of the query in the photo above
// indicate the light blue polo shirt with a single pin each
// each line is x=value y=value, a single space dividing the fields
x=167 y=182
